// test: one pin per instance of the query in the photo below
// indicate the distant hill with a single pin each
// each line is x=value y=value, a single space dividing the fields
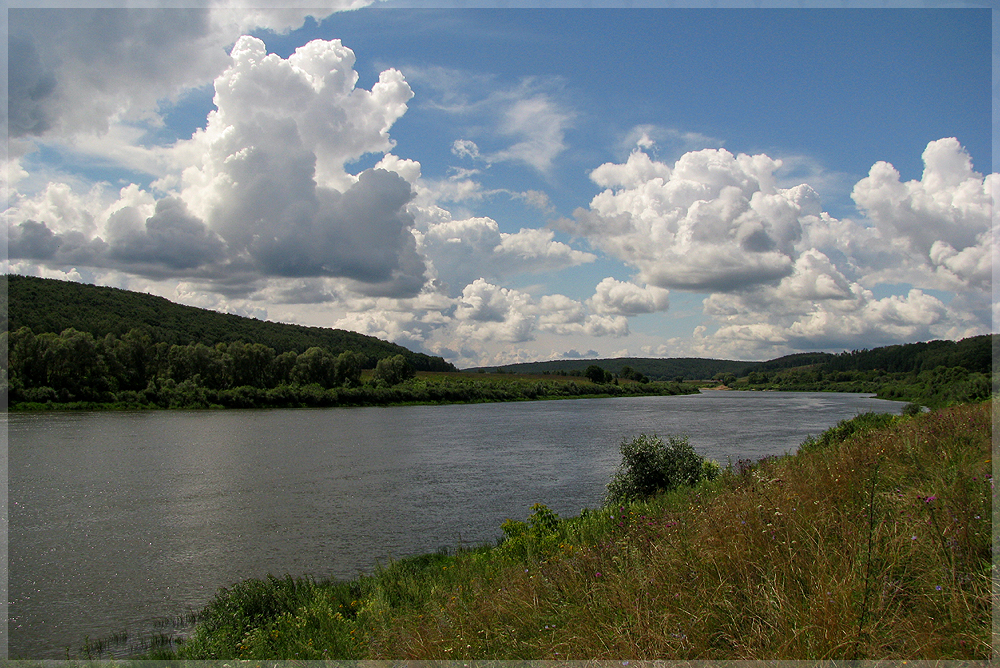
x=652 y=368
x=48 y=305
x=975 y=354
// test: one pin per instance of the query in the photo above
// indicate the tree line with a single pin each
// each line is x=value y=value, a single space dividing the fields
x=75 y=369
x=934 y=387
x=76 y=366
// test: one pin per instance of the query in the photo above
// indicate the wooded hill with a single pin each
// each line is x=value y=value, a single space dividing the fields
x=48 y=305
x=974 y=354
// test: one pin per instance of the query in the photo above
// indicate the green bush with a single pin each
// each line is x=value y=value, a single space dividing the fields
x=532 y=539
x=650 y=466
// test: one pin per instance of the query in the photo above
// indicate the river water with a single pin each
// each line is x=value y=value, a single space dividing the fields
x=117 y=520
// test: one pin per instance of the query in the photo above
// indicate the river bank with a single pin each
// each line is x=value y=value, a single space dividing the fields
x=871 y=542
x=427 y=388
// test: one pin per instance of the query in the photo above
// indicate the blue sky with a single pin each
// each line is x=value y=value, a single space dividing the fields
x=504 y=185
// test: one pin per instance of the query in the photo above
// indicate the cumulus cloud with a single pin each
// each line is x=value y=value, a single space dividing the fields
x=817 y=307
x=713 y=221
x=170 y=237
x=782 y=272
x=490 y=312
x=945 y=219
x=264 y=190
x=910 y=317
x=623 y=298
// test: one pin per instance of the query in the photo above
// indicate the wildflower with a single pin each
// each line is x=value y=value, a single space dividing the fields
x=930 y=498
x=938 y=587
x=598 y=574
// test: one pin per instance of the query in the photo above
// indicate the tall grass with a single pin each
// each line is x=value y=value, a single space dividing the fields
x=871 y=543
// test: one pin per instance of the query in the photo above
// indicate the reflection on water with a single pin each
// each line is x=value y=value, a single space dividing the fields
x=117 y=519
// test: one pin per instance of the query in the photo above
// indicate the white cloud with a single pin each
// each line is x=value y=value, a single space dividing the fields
x=816 y=308
x=714 y=221
x=668 y=141
x=623 y=298
x=489 y=312
x=462 y=250
x=84 y=70
x=465 y=148
x=945 y=220
x=780 y=270
x=538 y=126
x=526 y=122
x=264 y=191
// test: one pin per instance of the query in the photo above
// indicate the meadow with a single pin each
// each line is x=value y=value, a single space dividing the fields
x=872 y=541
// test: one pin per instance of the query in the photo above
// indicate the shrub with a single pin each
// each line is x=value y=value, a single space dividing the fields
x=650 y=466
x=532 y=539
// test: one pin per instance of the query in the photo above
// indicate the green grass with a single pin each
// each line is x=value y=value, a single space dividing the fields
x=874 y=542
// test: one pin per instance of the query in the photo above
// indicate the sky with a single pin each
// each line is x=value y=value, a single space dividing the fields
x=499 y=185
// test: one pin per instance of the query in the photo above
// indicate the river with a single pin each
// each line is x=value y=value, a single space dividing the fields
x=117 y=520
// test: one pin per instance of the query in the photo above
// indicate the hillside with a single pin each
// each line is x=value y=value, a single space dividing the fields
x=48 y=305
x=653 y=368
x=975 y=354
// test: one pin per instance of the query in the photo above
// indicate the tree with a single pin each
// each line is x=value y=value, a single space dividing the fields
x=316 y=365
x=598 y=375
x=347 y=368
x=650 y=466
x=393 y=370
x=72 y=363
x=248 y=364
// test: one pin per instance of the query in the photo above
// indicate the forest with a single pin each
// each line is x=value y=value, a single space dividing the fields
x=50 y=306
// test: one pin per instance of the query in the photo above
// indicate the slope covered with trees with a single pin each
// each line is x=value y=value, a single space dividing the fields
x=974 y=354
x=46 y=305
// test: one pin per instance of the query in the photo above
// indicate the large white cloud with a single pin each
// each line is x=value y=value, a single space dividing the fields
x=264 y=192
x=945 y=220
x=780 y=270
x=713 y=221
x=623 y=298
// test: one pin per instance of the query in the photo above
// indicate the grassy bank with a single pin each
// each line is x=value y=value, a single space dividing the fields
x=873 y=541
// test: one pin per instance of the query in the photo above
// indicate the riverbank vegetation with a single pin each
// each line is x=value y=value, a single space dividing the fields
x=934 y=387
x=74 y=370
x=873 y=541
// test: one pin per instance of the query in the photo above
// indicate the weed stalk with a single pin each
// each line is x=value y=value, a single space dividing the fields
x=868 y=566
